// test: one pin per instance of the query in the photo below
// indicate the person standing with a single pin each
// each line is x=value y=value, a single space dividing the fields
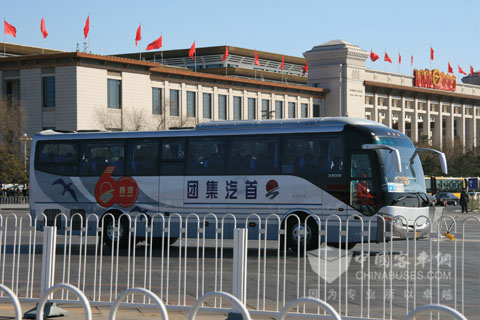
x=464 y=200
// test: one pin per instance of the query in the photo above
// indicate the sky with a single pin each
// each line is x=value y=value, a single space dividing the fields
x=290 y=27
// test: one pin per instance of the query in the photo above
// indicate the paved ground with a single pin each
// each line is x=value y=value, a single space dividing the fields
x=298 y=275
x=76 y=312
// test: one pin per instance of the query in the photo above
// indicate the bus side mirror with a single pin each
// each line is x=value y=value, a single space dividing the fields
x=441 y=155
x=397 y=162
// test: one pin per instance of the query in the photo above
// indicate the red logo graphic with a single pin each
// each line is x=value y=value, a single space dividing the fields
x=108 y=191
x=272 y=189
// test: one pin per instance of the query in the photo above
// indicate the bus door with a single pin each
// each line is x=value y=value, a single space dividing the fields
x=363 y=193
x=171 y=184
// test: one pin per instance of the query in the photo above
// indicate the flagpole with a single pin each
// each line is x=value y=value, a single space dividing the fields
x=195 y=56
x=4 y=49
x=88 y=40
x=431 y=56
x=43 y=39
x=140 y=48
x=398 y=63
x=226 y=62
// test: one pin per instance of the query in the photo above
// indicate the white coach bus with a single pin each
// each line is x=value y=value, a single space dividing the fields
x=299 y=167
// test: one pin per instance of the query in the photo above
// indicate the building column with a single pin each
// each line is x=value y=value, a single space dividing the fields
x=199 y=104
x=258 y=107
x=414 y=123
x=182 y=108
x=473 y=128
x=298 y=108
x=388 y=114
x=461 y=128
x=426 y=124
x=310 y=108
x=376 y=116
x=165 y=104
x=401 y=123
x=215 y=104
x=245 y=105
x=437 y=134
x=449 y=132
x=229 y=115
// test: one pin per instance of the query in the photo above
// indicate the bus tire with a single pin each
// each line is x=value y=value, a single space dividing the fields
x=295 y=232
x=108 y=230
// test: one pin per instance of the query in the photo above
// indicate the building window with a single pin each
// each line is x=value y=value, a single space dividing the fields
x=174 y=102
x=156 y=101
x=266 y=109
x=304 y=111
x=207 y=105
x=222 y=107
x=252 y=103
x=316 y=110
x=48 y=92
x=278 y=109
x=237 y=108
x=291 y=109
x=191 y=103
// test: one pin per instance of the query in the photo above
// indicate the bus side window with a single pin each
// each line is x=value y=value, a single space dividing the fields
x=143 y=158
x=206 y=156
x=253 y=155
x=172 y=157
x=97 y=156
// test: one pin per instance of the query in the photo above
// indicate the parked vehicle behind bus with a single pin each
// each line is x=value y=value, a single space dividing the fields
x=292 y=168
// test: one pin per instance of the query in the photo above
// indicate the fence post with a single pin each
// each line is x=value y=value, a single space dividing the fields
x=48 y=274
x=239 y=277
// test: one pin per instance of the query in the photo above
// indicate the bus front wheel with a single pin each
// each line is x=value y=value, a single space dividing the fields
x=301 y=230
x=110 y=234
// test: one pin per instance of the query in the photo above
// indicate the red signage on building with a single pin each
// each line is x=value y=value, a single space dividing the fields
x=434 y=79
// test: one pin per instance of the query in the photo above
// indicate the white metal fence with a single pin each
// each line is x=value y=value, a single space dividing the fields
x=386 y=280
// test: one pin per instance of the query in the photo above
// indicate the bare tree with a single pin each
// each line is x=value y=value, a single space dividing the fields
x=135 y=120
x=12 y=126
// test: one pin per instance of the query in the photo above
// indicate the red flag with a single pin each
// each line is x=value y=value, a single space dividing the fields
x=411 y=60
x=431 y=53
x=387 y=58
x=157 y=44
x=257 y=62
x=192 y=51
x=43 y=29
x=305 y=68
x=138 y=36
x=450 y=69
x=283 y=63
x=9 y=29
x=471 y=71
x=87 y=27
x=461 y=71
x=399 y=58
x=373 y=56
x=225 y=55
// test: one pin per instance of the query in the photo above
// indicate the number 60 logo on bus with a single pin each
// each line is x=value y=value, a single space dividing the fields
x=108 y=191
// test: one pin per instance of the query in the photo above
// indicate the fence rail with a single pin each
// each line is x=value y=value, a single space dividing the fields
x=385 y=280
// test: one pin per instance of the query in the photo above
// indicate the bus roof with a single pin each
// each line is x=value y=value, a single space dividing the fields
x=240 y=127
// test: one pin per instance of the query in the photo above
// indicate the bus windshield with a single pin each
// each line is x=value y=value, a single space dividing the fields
x=411 y=179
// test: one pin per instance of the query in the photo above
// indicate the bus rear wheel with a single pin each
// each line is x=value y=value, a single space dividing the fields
x=301 y=231
x=110 y=236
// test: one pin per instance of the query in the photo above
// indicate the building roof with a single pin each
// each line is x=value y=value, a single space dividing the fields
x=12 y=49
x=156 y=70
x=149 y=55
x=421 y=90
